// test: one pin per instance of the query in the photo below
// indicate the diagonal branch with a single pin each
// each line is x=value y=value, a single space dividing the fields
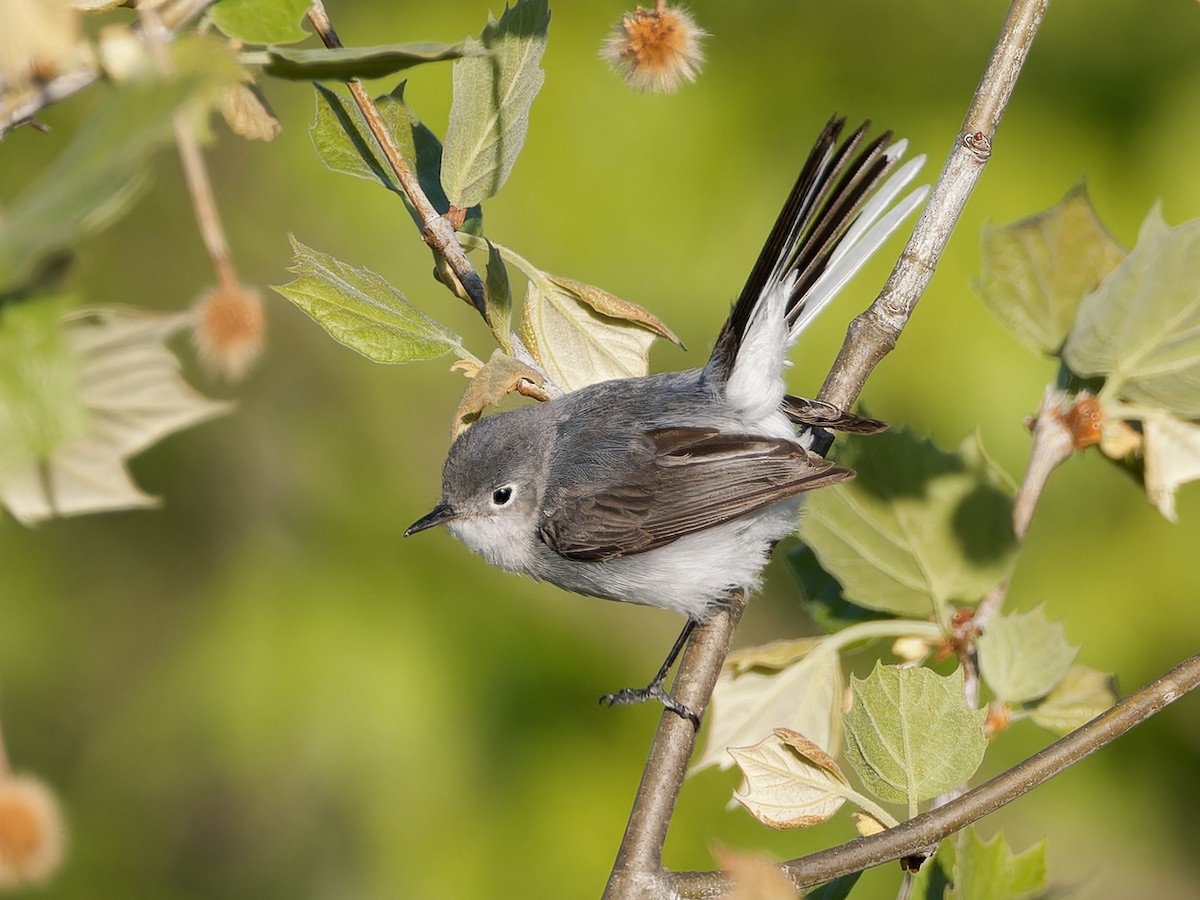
x=638 y=872
x=931 y=827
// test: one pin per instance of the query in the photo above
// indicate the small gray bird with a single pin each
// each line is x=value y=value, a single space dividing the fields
x=671 y=490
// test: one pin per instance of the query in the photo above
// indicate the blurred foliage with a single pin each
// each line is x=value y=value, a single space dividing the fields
x=261 y=690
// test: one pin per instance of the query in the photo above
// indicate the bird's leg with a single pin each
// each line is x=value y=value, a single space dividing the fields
x=655 y=690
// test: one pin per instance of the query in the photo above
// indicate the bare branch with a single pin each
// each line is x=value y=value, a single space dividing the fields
x=871 y=336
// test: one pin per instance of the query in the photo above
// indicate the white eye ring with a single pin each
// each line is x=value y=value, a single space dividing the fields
x=502 y=495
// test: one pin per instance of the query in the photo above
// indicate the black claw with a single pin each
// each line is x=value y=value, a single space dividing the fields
x=652 y=691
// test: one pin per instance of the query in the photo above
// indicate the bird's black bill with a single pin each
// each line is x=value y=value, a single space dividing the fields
x=440 y=514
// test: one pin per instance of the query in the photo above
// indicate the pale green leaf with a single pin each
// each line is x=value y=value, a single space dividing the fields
x=990 y=871
x=790 y=781
x=130 y=387
x=361 y=310
x=910 y=734
x=346 y=63
x=261 y=21
x=1023 y=655
x=345 y=144
x=40 y=407
x=489 y=115
x=918 y=527
x=821 y=595
x=789 y=684
x=1171 y=451
x=1080 y=695
x=1140 y=329
x=1036 y=271
x=575 y=344
x=96 y=177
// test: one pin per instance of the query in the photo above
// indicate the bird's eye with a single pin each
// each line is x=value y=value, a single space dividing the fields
x=500 y=496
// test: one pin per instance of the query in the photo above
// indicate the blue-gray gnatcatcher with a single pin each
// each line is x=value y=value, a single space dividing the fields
x=671 y=490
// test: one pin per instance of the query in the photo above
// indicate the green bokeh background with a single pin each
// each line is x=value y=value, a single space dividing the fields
x=262 y=691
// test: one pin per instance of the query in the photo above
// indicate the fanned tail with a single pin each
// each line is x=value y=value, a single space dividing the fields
x=832 y=222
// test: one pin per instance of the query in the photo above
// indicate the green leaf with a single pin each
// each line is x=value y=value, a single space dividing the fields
x=990 y=871
x=918 y=528
x=1080 y=695
x=1023 y=655
x=346 y=63
x=97 y=176
x=821 y=595
x=790 y=781
x=489 y=114
x=1171 y=452
x=793 y=684
x=1036 y=271
x=1140 y=329
x=261 y=21
x=40 y=407
x=345 y=144
x=361 y=310
x=910 y=734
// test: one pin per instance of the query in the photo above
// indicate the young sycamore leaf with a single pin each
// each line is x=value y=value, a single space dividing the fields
x=1140 y=329
x=261 y=21
x=130 y=390
x=1023 y=655
x=345 y=144
x=1036 y=271
x=495 y=380
x=581 y=335
x=97 y=176
x=990 y=871
x=1080 y=695
x=795 y=684
x=1171 y=450
x=489 y=114
x=790 y=781
x=361 y=310
x=917 y=528
x=346 y=63
x=910 y=734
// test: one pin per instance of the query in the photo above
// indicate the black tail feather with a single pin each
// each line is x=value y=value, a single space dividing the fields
x=831 y=188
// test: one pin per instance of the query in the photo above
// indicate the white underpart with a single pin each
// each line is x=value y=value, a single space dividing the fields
x=865 y=236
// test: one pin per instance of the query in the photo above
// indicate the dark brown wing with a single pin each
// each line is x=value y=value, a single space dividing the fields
x=693 y=478
x=825 y=415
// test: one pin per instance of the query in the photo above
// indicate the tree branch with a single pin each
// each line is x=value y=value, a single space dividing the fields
x=638 y=872
x=873 y=334
x=931 y=827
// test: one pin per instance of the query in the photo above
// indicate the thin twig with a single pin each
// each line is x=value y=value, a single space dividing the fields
x=191 y=158
x=436 y=231
x=931 y=827
x=638 y=869
x=174 y=15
